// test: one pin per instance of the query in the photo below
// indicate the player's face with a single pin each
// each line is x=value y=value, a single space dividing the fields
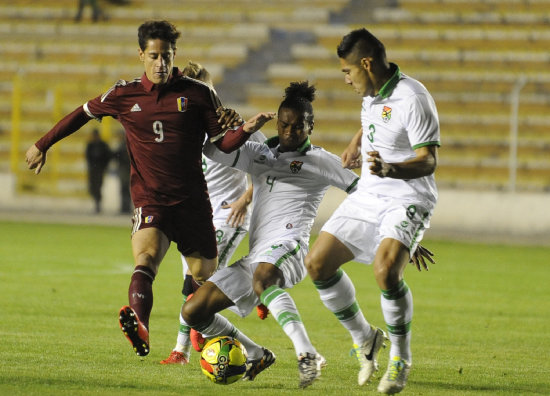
x=357 y=76
x=292 y=129
x=158 y=59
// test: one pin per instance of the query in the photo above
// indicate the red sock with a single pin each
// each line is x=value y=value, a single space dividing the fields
x=140 y=293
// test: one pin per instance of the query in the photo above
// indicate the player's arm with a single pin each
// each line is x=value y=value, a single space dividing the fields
x=351 y=157
x=36 y=154
x=234 y=138
x=239 y=208
x=423 y=164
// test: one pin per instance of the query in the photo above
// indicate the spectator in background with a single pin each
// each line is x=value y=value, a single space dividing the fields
x=122 y=159
x=98 y=155
x=97 y=11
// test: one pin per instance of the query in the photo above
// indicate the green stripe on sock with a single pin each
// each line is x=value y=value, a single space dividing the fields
x=287 y=317
x=321 y=285
x=348 y=313
x=397 y=292
x=270 y=294
x=184 y=329
x=399 y=330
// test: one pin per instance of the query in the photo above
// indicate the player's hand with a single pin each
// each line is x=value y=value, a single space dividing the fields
x=35 y=159
x=378 y=166
x=258 y=121
x=421 y=254
x=229 y=118
x=238 y=212
x=351 y=158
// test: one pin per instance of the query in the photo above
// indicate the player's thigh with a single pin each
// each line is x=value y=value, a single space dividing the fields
x=201 y=267
x=149 y=246
x=326 y=255
x=207 y=300
x=390 y=261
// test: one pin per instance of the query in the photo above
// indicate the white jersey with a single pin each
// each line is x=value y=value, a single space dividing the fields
x=288 y=187
x=400 y=119
x=226 y=185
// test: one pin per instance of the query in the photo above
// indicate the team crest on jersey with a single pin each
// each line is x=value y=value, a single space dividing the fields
x=182 y=104
x=148 y=219
x=295 y=166
x=386 y=113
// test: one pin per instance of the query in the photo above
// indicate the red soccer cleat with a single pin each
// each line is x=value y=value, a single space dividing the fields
x=134 y=330
x=175 y=358
x=197 y=340
x=262 y=311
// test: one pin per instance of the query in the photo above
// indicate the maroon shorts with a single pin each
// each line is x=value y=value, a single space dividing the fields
x=189 y=225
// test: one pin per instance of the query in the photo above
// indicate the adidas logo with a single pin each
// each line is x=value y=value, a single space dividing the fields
x=135 y=108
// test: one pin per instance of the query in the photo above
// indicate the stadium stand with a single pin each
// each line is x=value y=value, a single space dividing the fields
x=470 y=55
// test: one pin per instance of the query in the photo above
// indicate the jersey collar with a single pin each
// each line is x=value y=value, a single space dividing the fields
x=149 y=86
x=274 y=142
x=389 y=86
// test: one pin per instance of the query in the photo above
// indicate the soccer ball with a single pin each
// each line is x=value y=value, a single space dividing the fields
x=223 y=360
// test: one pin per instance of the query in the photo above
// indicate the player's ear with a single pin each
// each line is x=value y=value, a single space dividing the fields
x=141 y=54
x=366 y=63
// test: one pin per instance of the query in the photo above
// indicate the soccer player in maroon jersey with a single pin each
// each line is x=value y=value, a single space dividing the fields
x=166 y=117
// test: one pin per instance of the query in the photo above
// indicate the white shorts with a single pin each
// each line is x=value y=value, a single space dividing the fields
x=361 y=224
x=235 y=281
x=227 y=241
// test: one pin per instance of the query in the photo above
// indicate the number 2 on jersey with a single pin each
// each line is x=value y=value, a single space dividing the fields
x=157 y=129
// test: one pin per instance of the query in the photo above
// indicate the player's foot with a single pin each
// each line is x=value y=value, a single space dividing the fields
x=255 y=367
x=396 y=376
x=175 y=358
x=309 y=367
x=134 y=330
x=262 y=311
x=197 y=340
x=367 y=355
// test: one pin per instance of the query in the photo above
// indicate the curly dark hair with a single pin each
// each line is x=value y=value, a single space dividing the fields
x=298 y=96
x=152 y=30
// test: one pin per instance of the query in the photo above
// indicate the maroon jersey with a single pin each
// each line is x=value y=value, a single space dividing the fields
x=165 y=129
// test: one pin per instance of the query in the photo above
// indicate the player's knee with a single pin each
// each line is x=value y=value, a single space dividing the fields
x=191 y=312
x=387 y=274
x=146 y=260
x=314 y=266
x=202 y=273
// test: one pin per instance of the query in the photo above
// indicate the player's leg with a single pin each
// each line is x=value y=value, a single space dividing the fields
x=201 y=313
x=397 y=306
x=201 y=268
x=149 y=246
x=268 y=285
x=337 y=293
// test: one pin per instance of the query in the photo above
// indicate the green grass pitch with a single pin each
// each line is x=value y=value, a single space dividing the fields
x=480 y=325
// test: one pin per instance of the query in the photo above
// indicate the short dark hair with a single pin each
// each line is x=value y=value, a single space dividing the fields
x=152 y=30
x=361 y=43
x=298 y=96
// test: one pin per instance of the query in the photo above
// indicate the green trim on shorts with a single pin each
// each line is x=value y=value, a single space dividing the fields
x=352 y=185
x=229 y=245
x=325 y=284
x=287 y=255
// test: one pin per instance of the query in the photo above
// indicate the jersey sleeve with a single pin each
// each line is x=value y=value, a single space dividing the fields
x=331 y=170
x=105 y=104
x=422 y=122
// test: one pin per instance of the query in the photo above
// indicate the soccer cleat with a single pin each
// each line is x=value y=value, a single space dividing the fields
x=197 y=340
x=175 y=358
x=255 y=367
x=134 y=330
x=262 y=311
x=309 y=367
x=367 y=355
x=395 y=378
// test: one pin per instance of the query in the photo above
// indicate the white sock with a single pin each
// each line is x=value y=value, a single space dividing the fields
x=284 y=310
x=397 y=307
x=338 y=295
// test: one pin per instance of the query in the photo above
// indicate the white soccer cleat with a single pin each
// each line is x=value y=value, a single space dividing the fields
x=309 y=368
x=395 y=379
x=367 y=355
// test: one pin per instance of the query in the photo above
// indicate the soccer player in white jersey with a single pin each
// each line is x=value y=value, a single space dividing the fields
x=230 y=197
x=290 y=177
x=385 y=219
